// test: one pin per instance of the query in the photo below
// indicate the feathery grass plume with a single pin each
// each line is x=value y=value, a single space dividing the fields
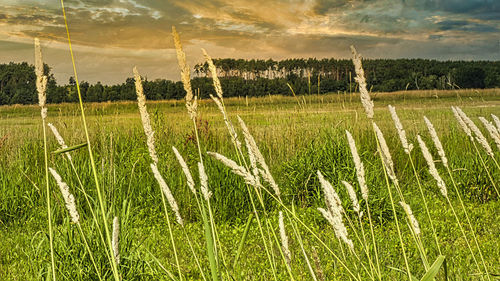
x=146 y=124
x=191 y=102
x=432 y=168
x=360 y=78
x=41 y=79
x=237 y=169
x=360 y=169
x=354 y=198
x=413 y=220
x=185 y=169
x=386 y=155
x=497 y=121
x=204 y=182
x=166 y=190
x=59 y=139
x=334 y=211
x=401 y=132
x=266 y=174
x=69 y=200
x=495 y=135
x=479 y=135
x=116 y=239
x=253 y=161
x=284 y=239
x=437 y=142
x=213 y=70
x=464 y=126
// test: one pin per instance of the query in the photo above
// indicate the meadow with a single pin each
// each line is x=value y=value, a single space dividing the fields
x=298 y=136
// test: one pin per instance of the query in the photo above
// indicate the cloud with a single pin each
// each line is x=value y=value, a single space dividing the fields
x=110 y=36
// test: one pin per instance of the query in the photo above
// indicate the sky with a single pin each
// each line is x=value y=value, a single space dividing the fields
x=110 y=37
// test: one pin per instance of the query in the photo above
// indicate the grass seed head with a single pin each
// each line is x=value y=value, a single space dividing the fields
x=41 y=79
x=360 y=78
x=386 y=155
x=204 y=182
x=284 y=239
x=432 y=168
x=354 y=198
x=479 y=135
x=166 y=191
x=401 y=132
x=69 y=199
x=146 y=123
x=411 y=218
x=185 y=169
x=60 y=140
x=360 y=170
x=495 y=135
x=437 y=142
x=116 y=240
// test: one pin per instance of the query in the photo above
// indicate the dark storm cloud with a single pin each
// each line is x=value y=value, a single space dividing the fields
x=464 y=25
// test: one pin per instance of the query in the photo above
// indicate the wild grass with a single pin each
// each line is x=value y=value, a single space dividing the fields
x=255 y=215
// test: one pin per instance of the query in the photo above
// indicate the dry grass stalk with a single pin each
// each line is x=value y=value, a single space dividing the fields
x=334 y=212
x=413 y=220
x=191 y=102
x=284 y=240
x=265 y=172
x=360 y=170
x=432 y=168
x=401 y=132
x=146 y=123
x=495 y=135
x=360 y=78
x=166 y=191
x=116 y=239
x=185 y=169
x=386 y=155
x=69 y=199
x=437 y=142
x=60 y=140
x=41 y=79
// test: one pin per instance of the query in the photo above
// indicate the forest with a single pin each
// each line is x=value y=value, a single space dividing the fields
x=263 y=77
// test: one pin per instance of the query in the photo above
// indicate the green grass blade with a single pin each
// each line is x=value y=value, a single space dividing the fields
x=71 y=148
x=431 y=273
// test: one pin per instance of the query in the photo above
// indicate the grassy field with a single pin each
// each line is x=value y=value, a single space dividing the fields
x=297 y=136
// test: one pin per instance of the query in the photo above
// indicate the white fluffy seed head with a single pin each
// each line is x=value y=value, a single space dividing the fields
x=354 y=198
x=411 y=218
x=284 y=239
x=191 y=102
x=41 y=79
x=332 y=199
x=185 y=169
x=59 y=139
x=204 y=182
x=146 y=123
x=360 y=78
x=495 y=135
x=116 y=240
x=213 y=70
x=360 y=170
x=166 y=191
x=461 y=122
x=253 y=148
x=386 y=155
x=401 y=132
x=437 y=142
x=69 y=199
x=339 y=229
x=432 y=168
x=235 y=168
x=479 y=135
x=497 y=121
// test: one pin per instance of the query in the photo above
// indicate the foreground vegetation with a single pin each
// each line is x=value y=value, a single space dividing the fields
x=296 y=136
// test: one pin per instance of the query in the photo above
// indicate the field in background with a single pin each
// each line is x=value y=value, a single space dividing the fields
x=297 y=135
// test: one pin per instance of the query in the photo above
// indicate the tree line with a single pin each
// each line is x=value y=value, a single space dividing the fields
x=263 y=77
